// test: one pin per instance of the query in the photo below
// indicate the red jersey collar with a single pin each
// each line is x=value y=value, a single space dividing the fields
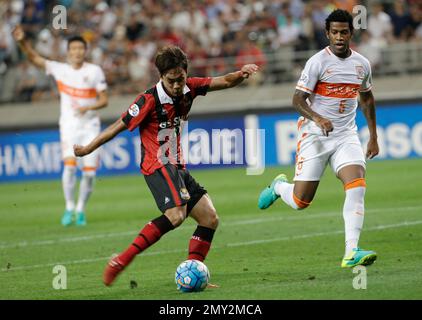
x=164 y=97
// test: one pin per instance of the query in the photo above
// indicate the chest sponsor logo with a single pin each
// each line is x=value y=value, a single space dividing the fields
x=360 y=72
x=170 y=123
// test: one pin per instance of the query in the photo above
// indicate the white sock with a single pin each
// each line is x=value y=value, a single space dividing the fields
x=85 y=189
x=353 y=214
x=68 y=183
x=285 y=191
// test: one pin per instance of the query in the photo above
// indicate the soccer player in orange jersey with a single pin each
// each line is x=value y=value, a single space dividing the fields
x=82 y=88
x=327 y=133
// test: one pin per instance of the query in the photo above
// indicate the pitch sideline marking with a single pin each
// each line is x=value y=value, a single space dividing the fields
x=299 y=216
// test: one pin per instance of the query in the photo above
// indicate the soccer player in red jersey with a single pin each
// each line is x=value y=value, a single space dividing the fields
x=158 y=113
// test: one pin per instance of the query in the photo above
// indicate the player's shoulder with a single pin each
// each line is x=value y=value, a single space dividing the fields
x=361 y=58
x=322 y=54
x=145 y=97
x=190 y=81
x=56 y=64
x=198 y=82
x=319 y=56
x=92 y=66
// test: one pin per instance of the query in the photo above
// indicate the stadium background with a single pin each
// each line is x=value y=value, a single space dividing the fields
x=218 y=36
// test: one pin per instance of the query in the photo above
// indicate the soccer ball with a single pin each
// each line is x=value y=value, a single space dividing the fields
x=192 y=275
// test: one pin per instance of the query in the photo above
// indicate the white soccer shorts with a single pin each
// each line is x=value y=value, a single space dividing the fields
x=314 y=152
x=81 y=135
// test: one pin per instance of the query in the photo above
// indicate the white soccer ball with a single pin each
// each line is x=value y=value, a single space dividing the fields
x=192 y=275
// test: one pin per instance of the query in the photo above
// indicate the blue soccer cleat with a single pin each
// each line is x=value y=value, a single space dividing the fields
x=268 y=195
x=359 y=257
x=80 y=219
x=67 y=218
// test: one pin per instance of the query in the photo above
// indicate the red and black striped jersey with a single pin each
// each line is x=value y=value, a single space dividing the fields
x=158 y=117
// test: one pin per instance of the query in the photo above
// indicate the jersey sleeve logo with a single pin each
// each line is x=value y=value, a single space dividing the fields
x=303 y=77
x=133 y=110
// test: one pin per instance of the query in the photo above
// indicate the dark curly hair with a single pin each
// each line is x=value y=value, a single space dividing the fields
x=339 y=15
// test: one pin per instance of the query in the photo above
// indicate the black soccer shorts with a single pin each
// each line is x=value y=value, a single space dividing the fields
x=173 y=187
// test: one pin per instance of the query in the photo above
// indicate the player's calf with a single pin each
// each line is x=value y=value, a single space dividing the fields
x=353 y=212
x=208 y=219
x=281 y=188
x=150 y=234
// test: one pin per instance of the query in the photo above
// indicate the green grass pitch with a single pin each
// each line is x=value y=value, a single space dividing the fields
x=274 y=254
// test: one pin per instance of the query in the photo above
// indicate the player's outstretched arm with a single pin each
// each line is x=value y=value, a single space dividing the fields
x=101 y=102
x=109 y=133
x=367 y=102
x=300 y=104
x=33 y=56
x=232 y=79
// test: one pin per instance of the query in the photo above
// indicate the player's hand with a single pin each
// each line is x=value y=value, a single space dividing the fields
x=78 y=108
x=18 y=33
x=82 y=110
x=325 y=125
x=248 y=70
x=372 y=149
x=80 y=151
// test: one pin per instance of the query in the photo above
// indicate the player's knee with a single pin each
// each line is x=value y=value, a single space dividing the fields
x=176 y=215
x=69 y=169
x=209 y=218
x=213 y=219
x=89 y=172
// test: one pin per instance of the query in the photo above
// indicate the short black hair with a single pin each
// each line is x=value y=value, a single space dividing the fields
x=339 y=15
x=76 y=38
x=170 y=57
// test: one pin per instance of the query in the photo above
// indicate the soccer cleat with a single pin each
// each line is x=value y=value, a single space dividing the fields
x=268 y=195
x=359 y=257
x=67 y=218
x=80 y=219
x=112 y=270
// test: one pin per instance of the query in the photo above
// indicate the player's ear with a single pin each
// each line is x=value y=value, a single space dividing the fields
x=327 y=32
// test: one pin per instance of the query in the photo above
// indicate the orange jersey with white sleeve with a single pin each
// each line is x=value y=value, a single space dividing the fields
x=334 y=84
x=78 y=88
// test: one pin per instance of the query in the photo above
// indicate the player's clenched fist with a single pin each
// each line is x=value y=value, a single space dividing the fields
x=79 y=151
x=372 y=149
x=325 y=124
x=248 y=70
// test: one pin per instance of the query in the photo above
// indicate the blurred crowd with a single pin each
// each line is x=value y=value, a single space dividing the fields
x=218 y=36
